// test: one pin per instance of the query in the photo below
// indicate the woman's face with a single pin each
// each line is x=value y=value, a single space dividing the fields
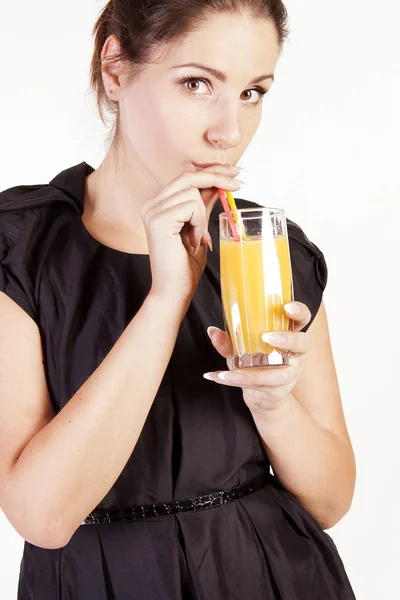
x=170 y=123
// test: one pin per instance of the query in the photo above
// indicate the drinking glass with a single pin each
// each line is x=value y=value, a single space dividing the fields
x=256 y=283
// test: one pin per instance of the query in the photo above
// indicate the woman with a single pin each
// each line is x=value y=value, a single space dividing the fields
x=128 y=473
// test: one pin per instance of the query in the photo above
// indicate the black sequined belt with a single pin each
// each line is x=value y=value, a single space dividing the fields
x=136 y=513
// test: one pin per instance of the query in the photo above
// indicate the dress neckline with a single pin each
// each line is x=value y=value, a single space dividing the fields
x=72 y=182
x=97 y=244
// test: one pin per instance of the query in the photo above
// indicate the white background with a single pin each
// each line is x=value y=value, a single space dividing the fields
x=327 y=151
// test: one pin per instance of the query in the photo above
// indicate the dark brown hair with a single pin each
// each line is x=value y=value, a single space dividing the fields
x=144 y=25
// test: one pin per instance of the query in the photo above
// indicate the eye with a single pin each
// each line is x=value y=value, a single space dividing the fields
x=190 y=84
x=193 y=80
x=260 y=91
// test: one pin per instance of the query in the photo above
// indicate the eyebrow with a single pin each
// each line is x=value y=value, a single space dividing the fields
x=221 y=76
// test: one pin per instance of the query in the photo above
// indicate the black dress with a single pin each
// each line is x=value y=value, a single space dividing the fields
x=199 y=437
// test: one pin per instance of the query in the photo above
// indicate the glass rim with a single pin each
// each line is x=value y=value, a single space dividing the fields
x=251 y=210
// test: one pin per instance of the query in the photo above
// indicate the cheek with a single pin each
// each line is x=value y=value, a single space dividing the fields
x=179 y=121
x=251 y=121
x=155 y=127
x=249 y=127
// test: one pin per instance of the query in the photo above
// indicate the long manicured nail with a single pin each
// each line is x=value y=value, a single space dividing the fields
x=208 y=376
x=237 y=183
x=274 y=338
x=292 y=308
x=195 y=250
x=232 y=377
x=211 y=330
x=242 y=177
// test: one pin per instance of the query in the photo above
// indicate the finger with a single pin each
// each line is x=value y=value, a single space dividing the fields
x=161 y=206
x=157 y=207
x=218 y=168
x=221 y=341
x=229 y=363
x=299 y=313
x=201 y=180
x=256 y=378
x=210 y=195
x=185 y=210
x=293 y=341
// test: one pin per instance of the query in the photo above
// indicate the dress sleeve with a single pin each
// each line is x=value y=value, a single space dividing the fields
x=14 y=262
x=309 y=270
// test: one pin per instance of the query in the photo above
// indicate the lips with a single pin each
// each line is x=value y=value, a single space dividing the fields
x=200 y=167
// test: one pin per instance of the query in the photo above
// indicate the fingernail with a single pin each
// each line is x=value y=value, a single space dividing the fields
x=273 y=338
x=195 y=250
x=211 y=330
x=241 y=169
x=238 y=183
x=232 y=377
x=208 y=376
x=209 y=243
x=243 y=177
x=292 y=308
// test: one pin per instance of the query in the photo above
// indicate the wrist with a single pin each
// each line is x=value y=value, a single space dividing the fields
x=168 y=303
x=276 y=415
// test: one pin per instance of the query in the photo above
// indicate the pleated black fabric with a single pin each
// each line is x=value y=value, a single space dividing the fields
x=198 y=438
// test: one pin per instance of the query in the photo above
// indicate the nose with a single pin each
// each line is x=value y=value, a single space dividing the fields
x=226 y=132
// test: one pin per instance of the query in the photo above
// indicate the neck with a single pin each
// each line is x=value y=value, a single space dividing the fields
x=116 y=190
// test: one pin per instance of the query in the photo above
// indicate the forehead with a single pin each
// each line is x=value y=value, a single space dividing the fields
x=231 y=43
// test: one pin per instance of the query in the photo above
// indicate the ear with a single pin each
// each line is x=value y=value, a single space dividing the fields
x=112 y=70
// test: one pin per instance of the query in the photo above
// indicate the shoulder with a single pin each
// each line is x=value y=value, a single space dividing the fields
x=28 y=213
x=29 y=209
x=30 y=218
x=305 y=255
x=21 y=210
x=23 y=200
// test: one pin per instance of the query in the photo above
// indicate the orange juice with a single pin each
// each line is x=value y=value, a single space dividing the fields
x=256 y=281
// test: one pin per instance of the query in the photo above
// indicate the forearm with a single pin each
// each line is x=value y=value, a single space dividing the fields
x=72 y=463
x=315 y=465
